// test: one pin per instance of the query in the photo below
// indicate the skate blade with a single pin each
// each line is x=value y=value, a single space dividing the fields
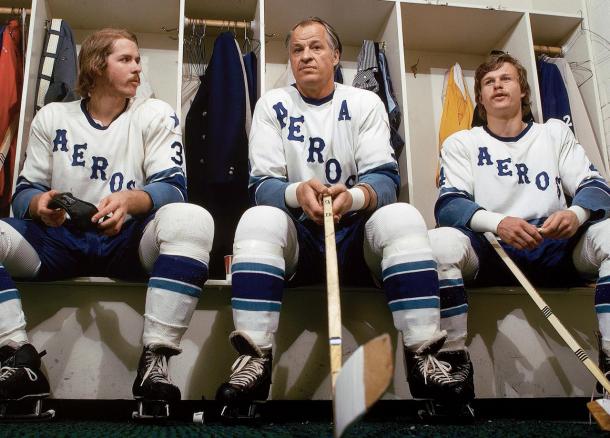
x=600 y=409
x=151 y=411
x=435 y=412
x=198 y=418
x=246 y=413
x=24 y=410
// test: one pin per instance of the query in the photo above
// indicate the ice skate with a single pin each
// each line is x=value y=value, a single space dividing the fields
x=152 y=388
x=442 y=381
x=22 y=384
x=249 y=382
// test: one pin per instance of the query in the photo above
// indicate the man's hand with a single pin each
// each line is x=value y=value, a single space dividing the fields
x=342 y=201
x=117 y=206
x=309 y=195
x=560 y=225
x=518 y=233
x=39 y=209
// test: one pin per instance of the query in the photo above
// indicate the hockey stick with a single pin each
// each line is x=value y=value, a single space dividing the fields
x=368 y=372
x=600 y=409
x=332 y=292
x=362 y=381
x=557 y=325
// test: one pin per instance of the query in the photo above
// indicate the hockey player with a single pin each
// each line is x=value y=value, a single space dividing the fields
x=314 y=138
x=124 y=155
x=514 y=179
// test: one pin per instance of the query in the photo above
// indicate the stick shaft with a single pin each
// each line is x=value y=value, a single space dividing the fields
x=332 y=286
x=548 y=313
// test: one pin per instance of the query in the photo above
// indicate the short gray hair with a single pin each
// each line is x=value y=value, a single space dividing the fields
x=331 y=33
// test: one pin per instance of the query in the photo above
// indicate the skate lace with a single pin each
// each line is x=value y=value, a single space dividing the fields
x=435 y=369
x=245 y=370
x=7 y=372
x=157 y=369
x=461 y=373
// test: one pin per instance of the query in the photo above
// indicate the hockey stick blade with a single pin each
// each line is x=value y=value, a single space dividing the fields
x=362 y=381
x=600 y=409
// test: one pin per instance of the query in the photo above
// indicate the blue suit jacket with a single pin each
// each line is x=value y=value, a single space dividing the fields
x=217 y=146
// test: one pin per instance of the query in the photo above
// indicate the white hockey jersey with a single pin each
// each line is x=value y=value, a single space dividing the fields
x=344 y=138
x=70 y=152
x=527 y=176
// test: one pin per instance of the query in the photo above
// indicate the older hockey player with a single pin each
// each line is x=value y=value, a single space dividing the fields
x=124 y=155
x=313 y=138
x=514 y=179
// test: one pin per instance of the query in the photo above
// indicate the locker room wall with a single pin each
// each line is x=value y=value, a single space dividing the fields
x=92 y=328
x=599 y=17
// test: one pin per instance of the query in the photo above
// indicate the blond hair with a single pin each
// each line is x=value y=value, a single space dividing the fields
x=92 y=59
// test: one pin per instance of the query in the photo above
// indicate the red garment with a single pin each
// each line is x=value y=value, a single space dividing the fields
x=11 y=81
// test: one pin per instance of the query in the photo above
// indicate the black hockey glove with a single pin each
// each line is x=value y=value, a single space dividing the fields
x=80 y=211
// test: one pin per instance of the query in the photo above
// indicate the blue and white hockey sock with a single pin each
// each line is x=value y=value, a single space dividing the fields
x=258 y=287
x=602 y=304
x=454 y=310
x=174 y=288
x=12 y=319
x=410 y=282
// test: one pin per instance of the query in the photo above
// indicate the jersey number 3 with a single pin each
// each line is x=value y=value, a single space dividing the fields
x=178 y=159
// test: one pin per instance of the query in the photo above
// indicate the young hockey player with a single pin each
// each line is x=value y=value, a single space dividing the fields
x=515 y=179
x=124 y=155
x=313 y=138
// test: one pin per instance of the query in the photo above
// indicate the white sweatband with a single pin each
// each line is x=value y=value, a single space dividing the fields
x=290 y=195
x=484 y=220
x=358 y=199
x=581 y=213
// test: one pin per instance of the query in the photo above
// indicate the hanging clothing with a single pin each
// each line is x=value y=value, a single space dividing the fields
x=251 y=75
x=11 y=82
x=394 y=113
x=583 y=130
x=58 y=71
x=457 y=107
x=553 y=94
x=339 y=74
x=189 y=91
x=216 y=144
x=367 y=68
x=373 y=74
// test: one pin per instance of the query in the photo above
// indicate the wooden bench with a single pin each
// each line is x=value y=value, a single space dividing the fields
x=91 y=328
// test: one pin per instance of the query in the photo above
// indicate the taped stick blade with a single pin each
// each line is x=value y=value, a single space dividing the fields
x=600 y=409
x=363 y=379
